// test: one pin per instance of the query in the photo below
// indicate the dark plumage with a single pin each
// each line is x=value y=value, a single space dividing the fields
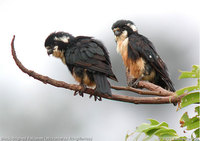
x=139 y=55
x=86 y=58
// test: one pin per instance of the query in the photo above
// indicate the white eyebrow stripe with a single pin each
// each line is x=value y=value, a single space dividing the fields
x=133 y=27
x=63 y=39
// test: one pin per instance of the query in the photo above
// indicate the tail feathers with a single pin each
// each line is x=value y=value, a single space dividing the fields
x=167 y=84
x=102 y=84
x=113 y=77
x=171 y=87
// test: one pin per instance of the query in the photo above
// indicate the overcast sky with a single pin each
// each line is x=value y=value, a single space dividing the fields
x=30 y=108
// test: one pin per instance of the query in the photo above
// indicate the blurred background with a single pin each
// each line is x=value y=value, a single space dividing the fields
x=31 y=108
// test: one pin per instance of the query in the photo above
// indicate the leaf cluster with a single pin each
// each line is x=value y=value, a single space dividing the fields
x=193 y=91
x=154 y=129
x=192 y=123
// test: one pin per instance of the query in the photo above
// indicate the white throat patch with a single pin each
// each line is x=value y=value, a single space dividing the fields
x=59 y=54
x=122 y=41
x=63 y=39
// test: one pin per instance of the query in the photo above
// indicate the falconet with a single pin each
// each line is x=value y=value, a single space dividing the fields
x=86 y=58
x=140 y=57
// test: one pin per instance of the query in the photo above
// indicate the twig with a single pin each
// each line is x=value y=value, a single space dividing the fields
x=168 y=97
x=145 y=92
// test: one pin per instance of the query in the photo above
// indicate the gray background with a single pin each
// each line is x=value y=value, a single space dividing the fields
x=31 y=108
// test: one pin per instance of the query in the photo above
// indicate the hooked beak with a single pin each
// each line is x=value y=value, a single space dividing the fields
x=117 y=32
x=49 y=50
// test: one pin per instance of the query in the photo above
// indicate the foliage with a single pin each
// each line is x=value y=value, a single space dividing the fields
x=161 y=130
x=193 y=97
x=154 y=128
x=192 y=123
x=195 y=73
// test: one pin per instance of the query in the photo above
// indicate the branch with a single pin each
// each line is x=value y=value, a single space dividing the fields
x=159 y=91
x=168 y=97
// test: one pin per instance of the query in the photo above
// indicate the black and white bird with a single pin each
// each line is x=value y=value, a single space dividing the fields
x=139 y=55
x=86 y=58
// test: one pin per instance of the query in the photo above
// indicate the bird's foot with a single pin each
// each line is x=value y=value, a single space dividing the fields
x=95 y=96
x=81 y=92
x=134 y=82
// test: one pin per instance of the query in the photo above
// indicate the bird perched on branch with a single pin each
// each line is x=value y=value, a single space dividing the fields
x=140 y=58
x=86 y=58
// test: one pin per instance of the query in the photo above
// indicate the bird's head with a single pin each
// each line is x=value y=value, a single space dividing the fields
x=124 y=28
x=58 y=42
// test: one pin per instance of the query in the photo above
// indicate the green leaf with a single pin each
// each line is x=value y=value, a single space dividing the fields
x=126 y=137
x=153 y=121
x=186 y=74
x=190 y=99
x=190 y=123
x=195 y=68
x=195 y=73
x=164 y=124
x=150 y=134
x=193 y=124
x=142 y=127
x=166 y=132
x=151 y=131
x=154 y=129
x=197 y=133
x=197 y=109
x=184 y=119
x=187 y=89
x=146 y=127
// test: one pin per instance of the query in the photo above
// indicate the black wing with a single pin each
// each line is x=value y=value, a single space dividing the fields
x=140 y=46
x=90 y=54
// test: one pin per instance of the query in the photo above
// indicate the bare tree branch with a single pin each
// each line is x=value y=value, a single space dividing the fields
x=147 y=85
x=167 y=96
